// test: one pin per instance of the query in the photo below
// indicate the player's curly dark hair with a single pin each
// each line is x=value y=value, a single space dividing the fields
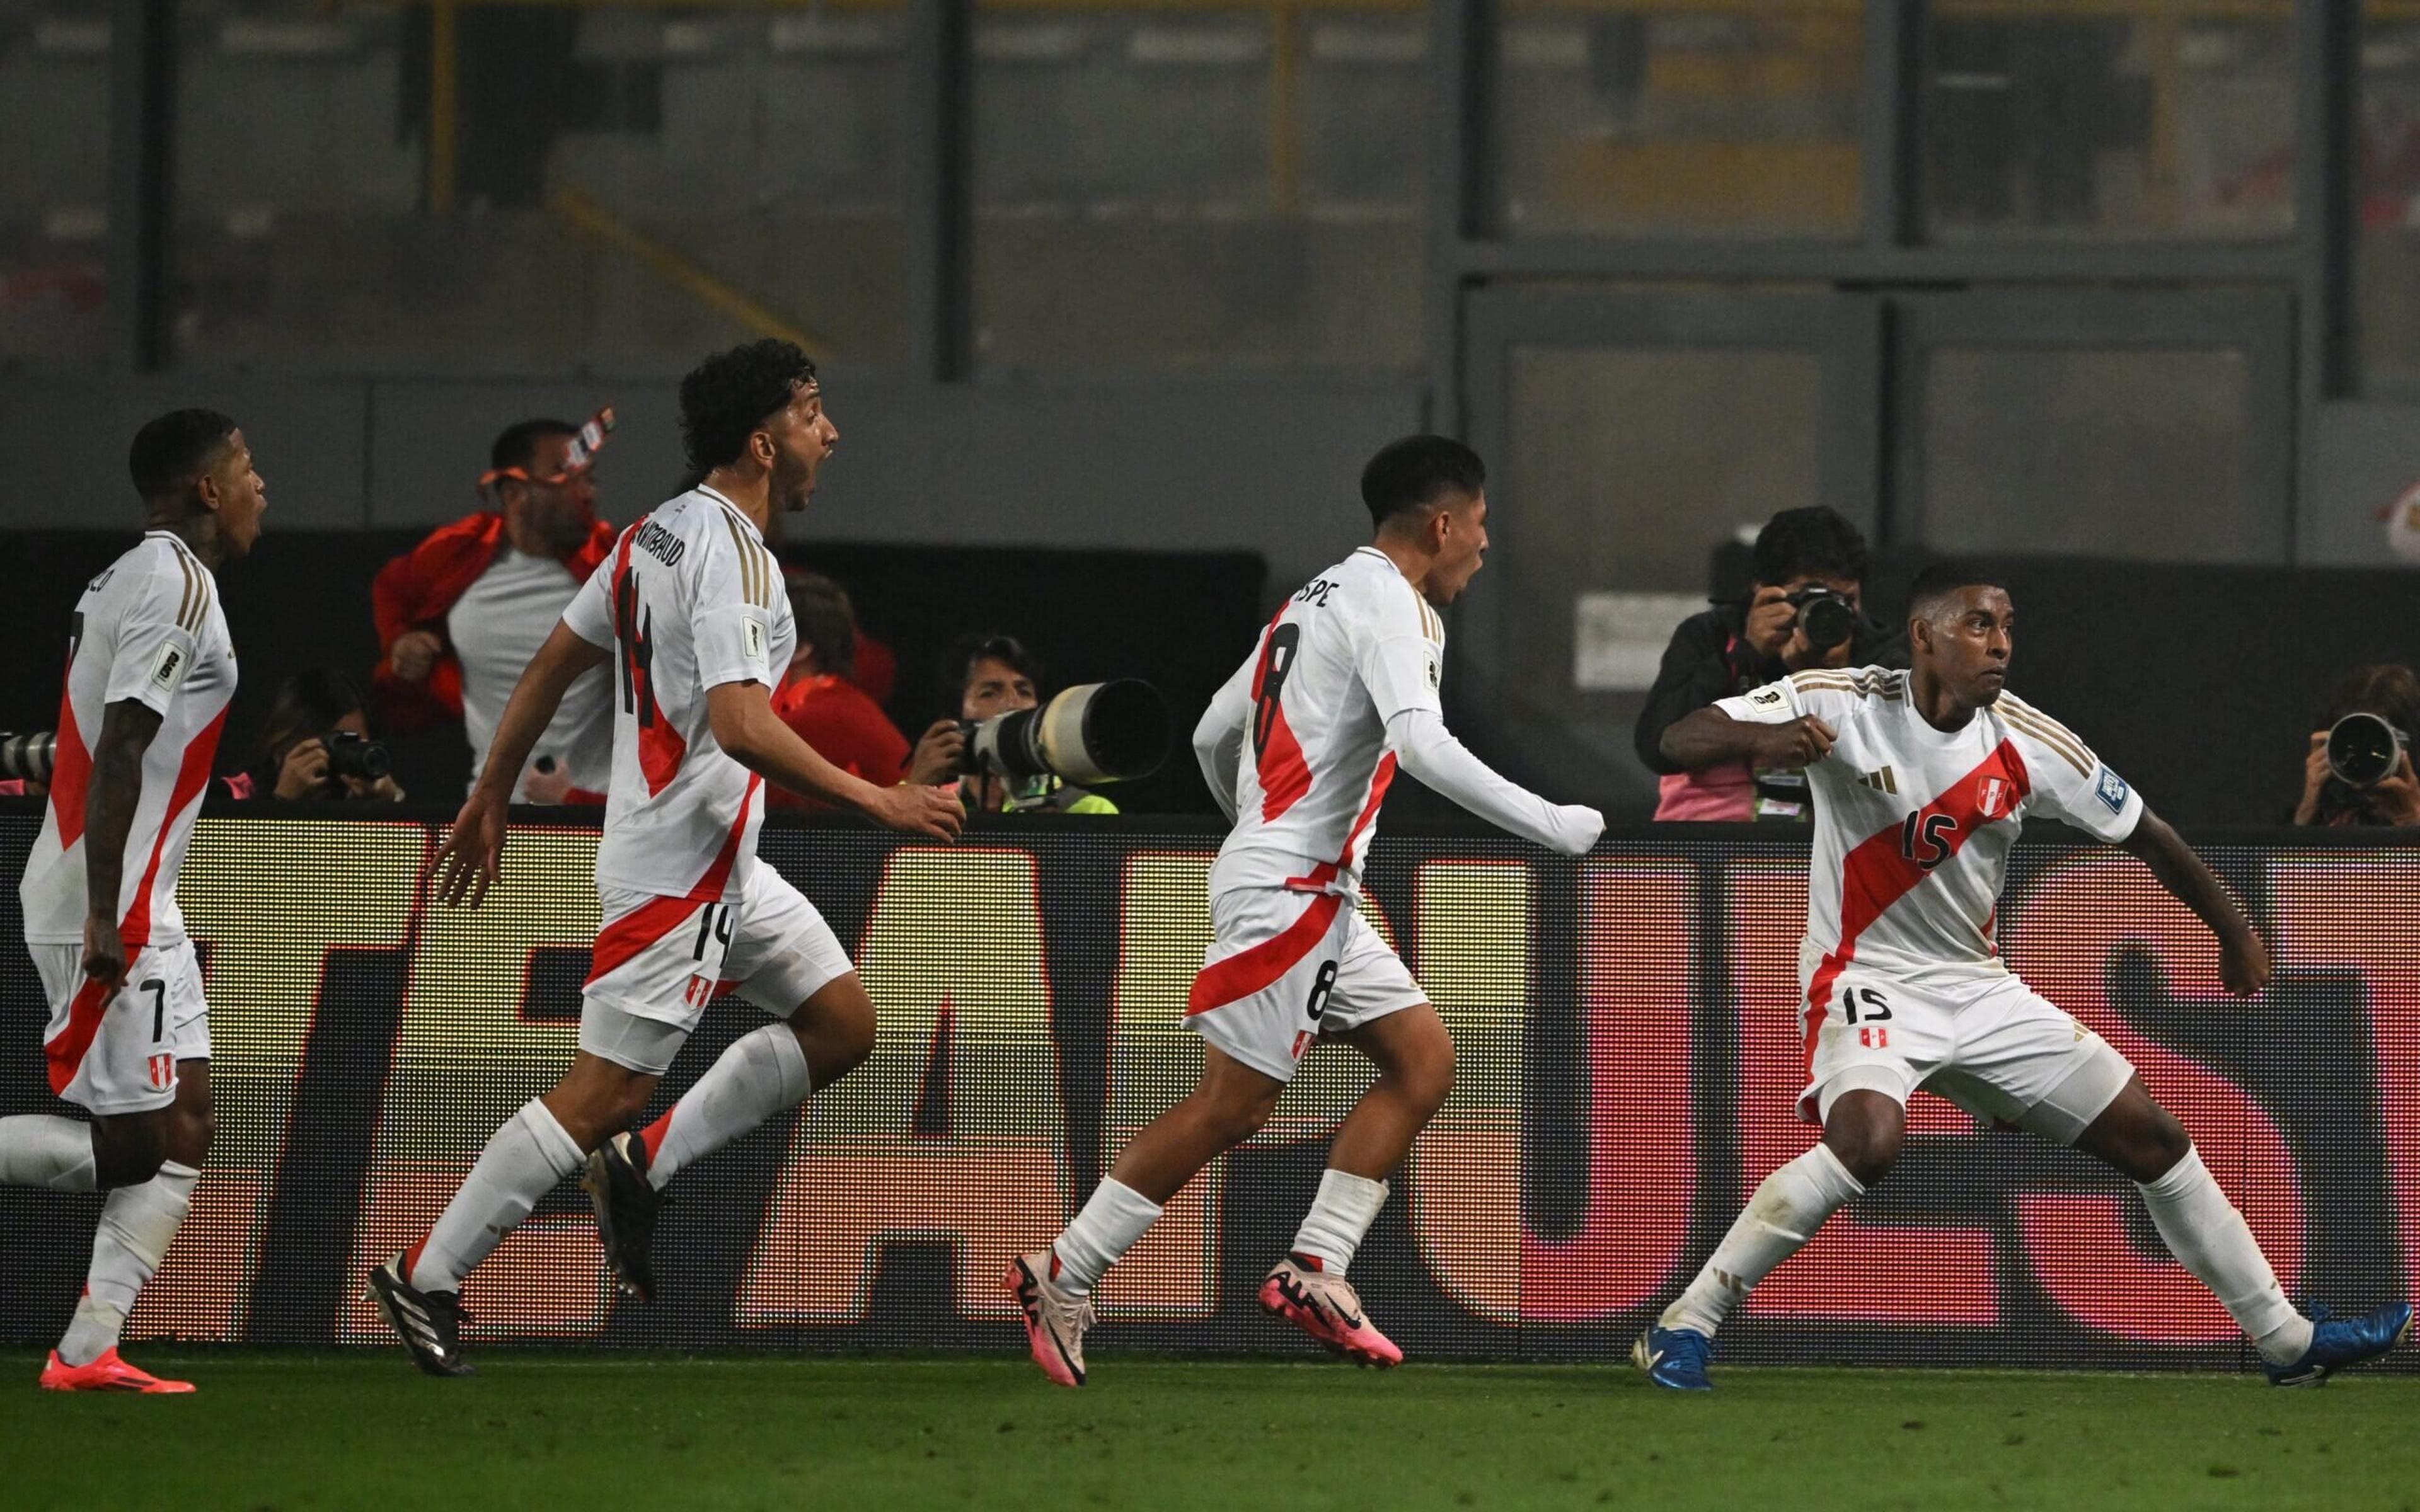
x=728 y=396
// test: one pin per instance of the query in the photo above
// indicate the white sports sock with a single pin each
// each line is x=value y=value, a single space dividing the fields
x=1788 y=1207
x=1342 y=1213
x=521 y=1165
x=1113 y=1218
x=136 y=1224
x=43 y=1150
x=763 y=1072
x=2205 y=1233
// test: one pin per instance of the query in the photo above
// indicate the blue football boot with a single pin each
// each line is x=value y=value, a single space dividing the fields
x=1675 y=1358
x=2337 y=1342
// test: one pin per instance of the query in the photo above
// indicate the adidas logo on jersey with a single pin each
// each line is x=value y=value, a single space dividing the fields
x=1882 y=780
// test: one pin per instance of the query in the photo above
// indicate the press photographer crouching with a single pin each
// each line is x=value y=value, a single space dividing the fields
x=317 y=745
x=1805 y=608
x=2359 y=769
x=1013 y=753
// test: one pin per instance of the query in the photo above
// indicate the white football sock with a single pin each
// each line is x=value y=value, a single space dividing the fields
x=763 y=1072
x=1113 y=1218
x=43 y=1150
x=521 y=1165
x=1342 y=1213
x=2211 y=1239
x=1788 y=1207
x=136 y=1224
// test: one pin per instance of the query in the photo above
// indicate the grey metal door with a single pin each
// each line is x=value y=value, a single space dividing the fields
x=1628 y=434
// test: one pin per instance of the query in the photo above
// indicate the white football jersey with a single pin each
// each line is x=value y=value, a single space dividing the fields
x=1354 y=648
x=1913 y=825
x=689 y=599
x=148 y=629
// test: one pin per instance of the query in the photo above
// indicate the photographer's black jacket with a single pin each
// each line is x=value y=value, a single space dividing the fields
x=1710 y=659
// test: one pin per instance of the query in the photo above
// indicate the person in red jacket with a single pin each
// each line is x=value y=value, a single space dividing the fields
x=818 y=699
x=462 y=614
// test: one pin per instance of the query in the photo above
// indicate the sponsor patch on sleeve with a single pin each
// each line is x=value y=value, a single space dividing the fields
x=168 y=667
x=753 y=640
x=1437 y=677
x=1769 y=697
x=2112 y=789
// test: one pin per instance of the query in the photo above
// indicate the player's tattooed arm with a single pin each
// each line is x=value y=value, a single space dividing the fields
x=127 y=729
x=2243 y=956
x=1710 y=737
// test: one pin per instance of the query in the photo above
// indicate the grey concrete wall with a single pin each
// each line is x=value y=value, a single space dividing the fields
x=1266 y=466
x=2366 y=457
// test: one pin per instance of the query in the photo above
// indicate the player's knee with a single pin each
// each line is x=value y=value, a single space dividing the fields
x=1237 y=1118
x=843 y=1045
x=2156 y=1148
x=1868 y=1151
x=1428 y=1078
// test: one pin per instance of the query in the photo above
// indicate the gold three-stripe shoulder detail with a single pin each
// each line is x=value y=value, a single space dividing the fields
x=2050 y=732
x=757 y=571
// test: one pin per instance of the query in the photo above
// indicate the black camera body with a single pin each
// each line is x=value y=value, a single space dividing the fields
x=1113 y=731
x=355 y=755
x=1825 y=615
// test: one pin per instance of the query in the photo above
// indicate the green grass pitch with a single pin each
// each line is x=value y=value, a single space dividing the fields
x=276 y=1431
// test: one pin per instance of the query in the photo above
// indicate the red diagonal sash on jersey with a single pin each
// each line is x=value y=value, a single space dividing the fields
x=84 y=1011
x=1317 y=879
x=1285 y=777
x=1247 y=972
x=1879 y=874
x=661 y=750
x=70 y=772
x=642 y=926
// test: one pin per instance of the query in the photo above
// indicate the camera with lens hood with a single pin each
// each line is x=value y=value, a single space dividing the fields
x=1826 y=616
x=2365 y=750
x=29 y=757
x=1113 y=731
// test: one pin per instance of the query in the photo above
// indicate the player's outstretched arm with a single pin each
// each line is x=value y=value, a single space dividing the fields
x=1710 y=737
x=1218 y=738
x=748 y=730
x=1429 y=751
x=2243 y=956
x=127 y=728
x=470 y=858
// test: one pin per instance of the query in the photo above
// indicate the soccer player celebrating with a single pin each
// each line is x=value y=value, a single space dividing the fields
x=690 y=602
x=150 y=673
x=1920 y=780
x=1339 y=691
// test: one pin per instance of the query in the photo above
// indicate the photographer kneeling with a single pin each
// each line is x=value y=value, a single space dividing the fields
x=317 y=745
x=1806 y=609
x=991 y=674
x=2358 y=771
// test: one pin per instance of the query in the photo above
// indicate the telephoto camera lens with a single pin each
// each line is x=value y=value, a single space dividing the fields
x=29 y=757
x=2364 y=749
x=1113 y=731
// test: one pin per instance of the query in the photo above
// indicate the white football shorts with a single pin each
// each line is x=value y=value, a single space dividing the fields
x=113 y=1052
x=1993 y=1046
x=659 y=961
x=1285 y=967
